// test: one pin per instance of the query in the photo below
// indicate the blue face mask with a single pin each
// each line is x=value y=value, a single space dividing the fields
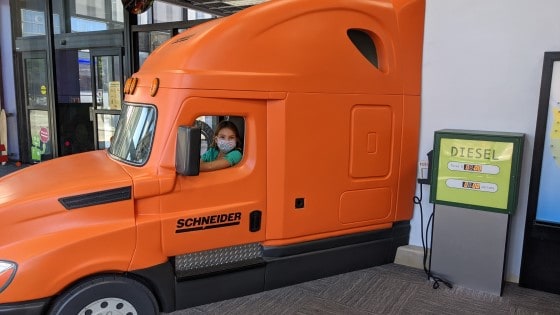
x=226 y=145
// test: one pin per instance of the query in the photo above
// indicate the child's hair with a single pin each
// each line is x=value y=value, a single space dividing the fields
x=230 y=125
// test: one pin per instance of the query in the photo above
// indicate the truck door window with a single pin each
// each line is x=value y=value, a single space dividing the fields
x=132 y=142
x=209 y=125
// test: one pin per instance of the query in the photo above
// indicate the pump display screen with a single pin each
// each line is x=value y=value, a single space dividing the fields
x=474 y=171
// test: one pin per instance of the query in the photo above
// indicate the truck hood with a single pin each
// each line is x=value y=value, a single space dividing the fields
x=39 y=194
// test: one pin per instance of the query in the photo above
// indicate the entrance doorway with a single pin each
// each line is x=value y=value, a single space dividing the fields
x=89 y=98
x=84 y=111
x=69 y=74
x=72 y=57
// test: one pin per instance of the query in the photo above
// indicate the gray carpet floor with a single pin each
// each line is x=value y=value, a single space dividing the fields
x=387 y=289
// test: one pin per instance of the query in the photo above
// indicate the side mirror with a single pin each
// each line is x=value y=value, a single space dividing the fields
x=187 y=156
x=137 y=6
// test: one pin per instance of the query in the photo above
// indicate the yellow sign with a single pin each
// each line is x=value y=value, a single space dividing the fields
x=115 y=95
x=43 y=90
x=477 y=169
x=474 y=172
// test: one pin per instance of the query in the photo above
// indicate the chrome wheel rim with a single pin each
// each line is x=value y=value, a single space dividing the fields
x=109 y=306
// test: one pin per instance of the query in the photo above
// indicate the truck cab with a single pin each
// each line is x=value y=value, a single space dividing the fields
x=326 y=96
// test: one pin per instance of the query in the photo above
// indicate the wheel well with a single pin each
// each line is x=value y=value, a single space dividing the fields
x=116 y=274
x=159 y=279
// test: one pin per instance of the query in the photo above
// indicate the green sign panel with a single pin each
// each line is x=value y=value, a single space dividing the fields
x=477 y=170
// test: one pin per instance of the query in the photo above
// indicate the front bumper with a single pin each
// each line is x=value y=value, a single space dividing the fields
x=35 y=307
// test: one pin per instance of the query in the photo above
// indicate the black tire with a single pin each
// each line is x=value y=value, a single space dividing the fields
x=206 y=131
x=106 y=295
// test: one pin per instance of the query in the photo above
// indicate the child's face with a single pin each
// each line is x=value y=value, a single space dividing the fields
x=226 y=134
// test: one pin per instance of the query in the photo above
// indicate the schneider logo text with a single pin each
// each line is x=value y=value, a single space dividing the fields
x=208 y=222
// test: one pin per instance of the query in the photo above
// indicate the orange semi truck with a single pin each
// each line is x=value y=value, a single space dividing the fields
x=326 y=95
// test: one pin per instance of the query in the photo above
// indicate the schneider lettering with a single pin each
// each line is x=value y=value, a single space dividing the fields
x=208 y=222
x=474 y=153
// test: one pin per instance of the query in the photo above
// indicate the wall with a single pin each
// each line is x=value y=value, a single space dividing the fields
x=482 y=71
x=9 y=101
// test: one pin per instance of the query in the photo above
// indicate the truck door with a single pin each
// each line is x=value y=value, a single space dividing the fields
x=223 y=208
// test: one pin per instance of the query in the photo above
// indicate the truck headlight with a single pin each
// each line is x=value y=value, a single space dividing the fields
x=7 y=273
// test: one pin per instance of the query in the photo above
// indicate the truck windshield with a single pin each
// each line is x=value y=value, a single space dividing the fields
x=132 y=142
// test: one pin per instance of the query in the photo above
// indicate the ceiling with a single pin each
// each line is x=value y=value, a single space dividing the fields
x=217 y=7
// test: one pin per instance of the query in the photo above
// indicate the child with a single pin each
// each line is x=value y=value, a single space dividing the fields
x=225 y=150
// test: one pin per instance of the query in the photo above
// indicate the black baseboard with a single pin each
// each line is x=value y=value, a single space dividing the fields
x=319 y=264
x=219 y=287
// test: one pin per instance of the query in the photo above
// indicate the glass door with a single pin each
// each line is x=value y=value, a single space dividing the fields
x=107 y=70
x=37 y=105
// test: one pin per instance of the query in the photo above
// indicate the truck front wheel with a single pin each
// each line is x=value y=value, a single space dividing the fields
x=106 y=295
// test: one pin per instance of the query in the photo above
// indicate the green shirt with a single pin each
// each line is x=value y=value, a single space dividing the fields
x=233 y=156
